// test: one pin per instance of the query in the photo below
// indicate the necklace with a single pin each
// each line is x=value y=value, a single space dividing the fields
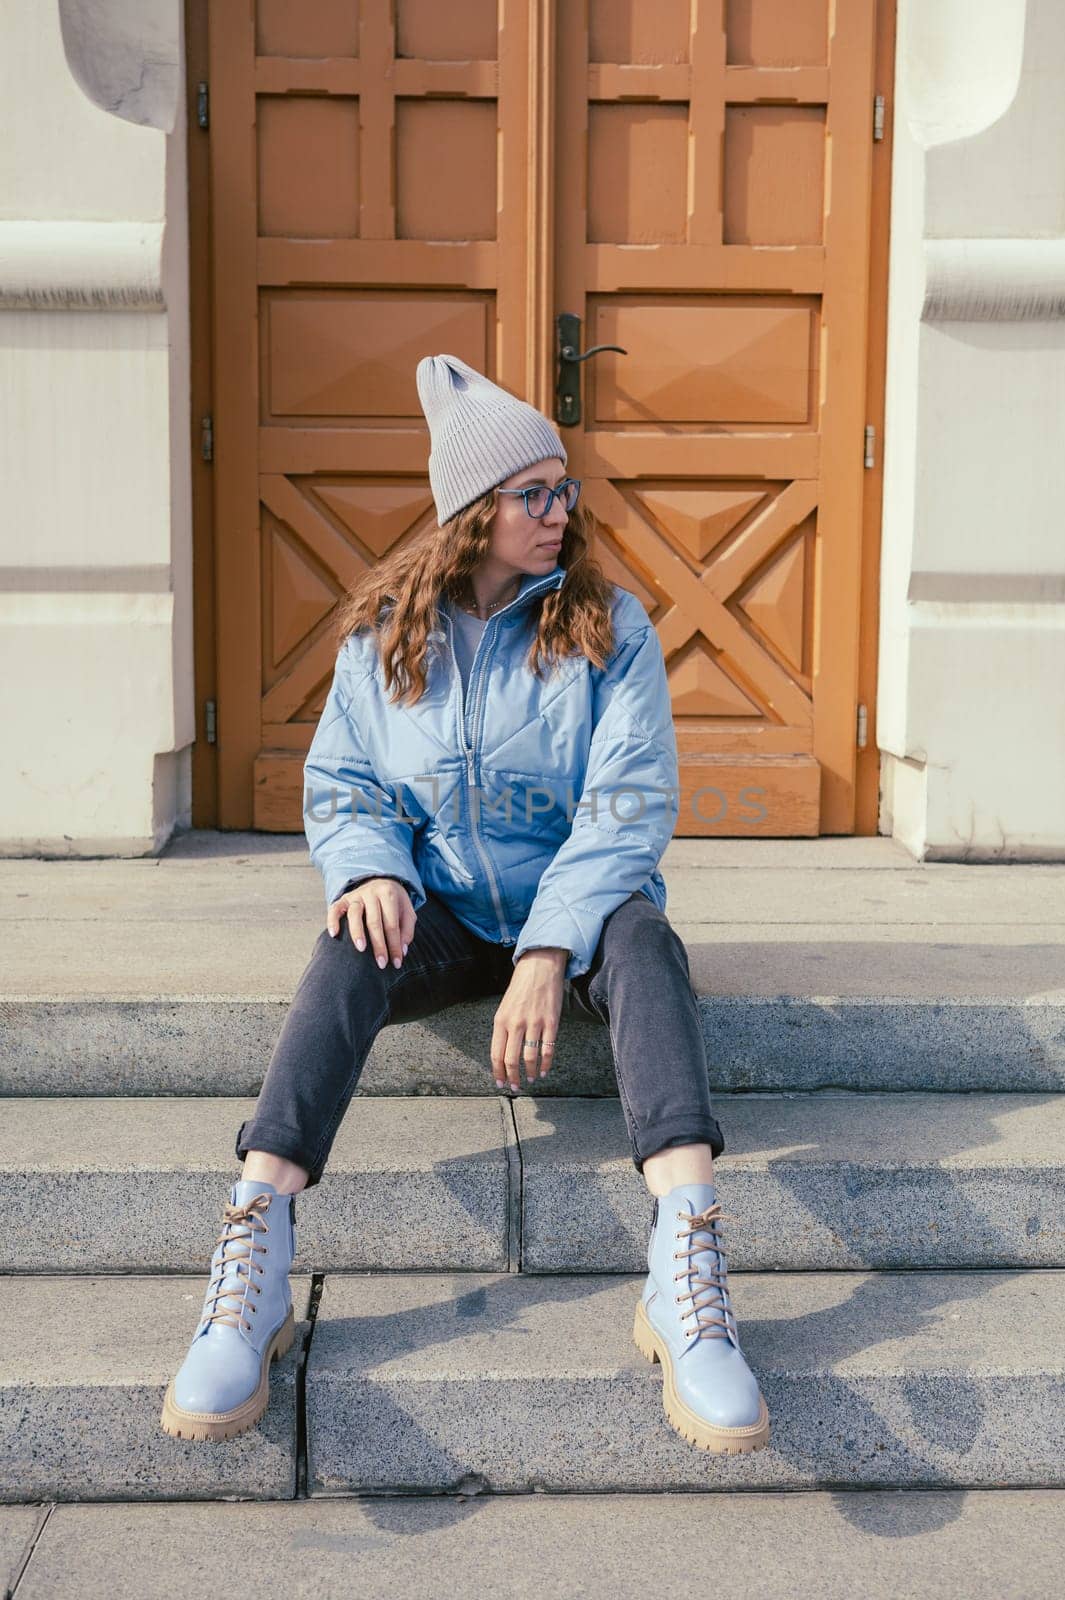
x=493 y=605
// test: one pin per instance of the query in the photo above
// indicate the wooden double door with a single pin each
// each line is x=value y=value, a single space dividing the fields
x=689 y=180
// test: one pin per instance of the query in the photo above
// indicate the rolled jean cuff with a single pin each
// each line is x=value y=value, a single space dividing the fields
x=276 y=1140
x=692 y=1130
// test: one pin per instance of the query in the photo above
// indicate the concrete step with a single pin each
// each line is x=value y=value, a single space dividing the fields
x=138 y=1185
x=519 y=1383
x=214 y=1045
x=466 y=1382
x=84 y=1365
x=819 y=963
x=882 y=1544
x=813 y=1181
x=809 y=1182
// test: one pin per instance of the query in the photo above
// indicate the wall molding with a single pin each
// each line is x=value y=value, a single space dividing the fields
x=125 y=56
x=156 y=579
x=983 y=588
x=994 y=280
x=81 y=266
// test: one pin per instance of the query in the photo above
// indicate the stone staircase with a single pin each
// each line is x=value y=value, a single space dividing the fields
x=887 y=1050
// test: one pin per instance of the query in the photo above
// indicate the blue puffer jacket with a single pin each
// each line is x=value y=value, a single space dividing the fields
x=533 y=810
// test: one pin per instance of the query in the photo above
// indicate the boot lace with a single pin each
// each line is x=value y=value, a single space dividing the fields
x=709 y=1278
x=239 y=1227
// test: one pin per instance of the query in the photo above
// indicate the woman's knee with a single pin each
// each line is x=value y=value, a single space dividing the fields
x=341 y=962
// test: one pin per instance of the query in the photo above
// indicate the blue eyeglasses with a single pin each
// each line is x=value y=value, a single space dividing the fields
x=539 y=498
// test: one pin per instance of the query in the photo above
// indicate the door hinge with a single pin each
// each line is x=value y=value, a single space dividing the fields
x=863 y=727
x=211 y=721
x=203 y=105
x=878 y=117
x=870 y=445
x=207 y=437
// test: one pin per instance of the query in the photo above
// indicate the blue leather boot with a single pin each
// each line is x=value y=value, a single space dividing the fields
x=684 y=1320
x=247 y=1321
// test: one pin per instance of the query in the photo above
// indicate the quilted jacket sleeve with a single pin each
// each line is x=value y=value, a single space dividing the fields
x=632 y=778
x=353 y=824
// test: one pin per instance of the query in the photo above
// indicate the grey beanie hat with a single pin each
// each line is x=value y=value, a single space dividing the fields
x=479 y=434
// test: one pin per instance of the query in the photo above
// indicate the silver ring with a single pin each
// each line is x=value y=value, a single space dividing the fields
x=533 y=1042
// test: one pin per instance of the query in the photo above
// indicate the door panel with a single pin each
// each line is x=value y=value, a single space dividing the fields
x=698 y=228
x=392 y=178
x=369 y=203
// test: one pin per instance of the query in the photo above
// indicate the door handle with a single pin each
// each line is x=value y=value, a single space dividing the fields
x=568 y=387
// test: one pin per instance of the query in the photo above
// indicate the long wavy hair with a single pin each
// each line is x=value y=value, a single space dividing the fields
x=397 y=598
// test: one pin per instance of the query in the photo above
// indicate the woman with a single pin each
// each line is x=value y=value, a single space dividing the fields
x=549 y=705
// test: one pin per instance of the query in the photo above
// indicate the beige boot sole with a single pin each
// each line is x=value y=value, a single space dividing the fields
x=228 y=1424
x=696 y=1429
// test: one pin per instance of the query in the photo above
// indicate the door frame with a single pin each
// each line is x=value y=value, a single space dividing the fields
x=206 y=801
x=201 y=385
x=867 y=766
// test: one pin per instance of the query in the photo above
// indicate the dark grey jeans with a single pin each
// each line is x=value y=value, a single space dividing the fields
x=639 y=985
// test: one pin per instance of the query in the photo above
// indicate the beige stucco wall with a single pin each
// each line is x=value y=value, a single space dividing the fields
x=971 y=715
x=96 y=546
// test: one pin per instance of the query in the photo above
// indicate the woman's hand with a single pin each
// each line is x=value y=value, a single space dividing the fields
x=385 y=906
x=531 y=1006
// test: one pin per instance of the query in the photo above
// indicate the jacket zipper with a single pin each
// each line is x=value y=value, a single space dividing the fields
x=493 y=883
x=468 y=751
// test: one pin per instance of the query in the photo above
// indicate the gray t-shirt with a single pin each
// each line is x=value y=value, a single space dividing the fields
x=467 y=631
